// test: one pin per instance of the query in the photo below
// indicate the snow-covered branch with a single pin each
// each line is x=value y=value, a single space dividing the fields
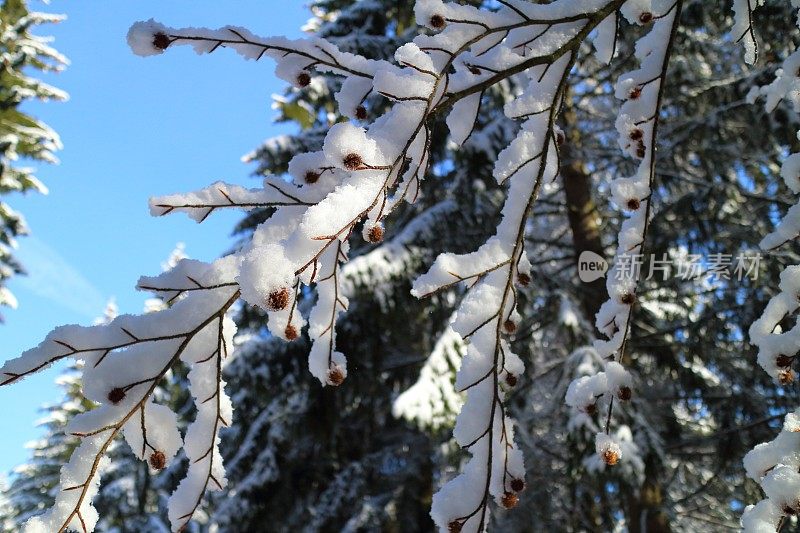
x=363 y=175
x=488 y=315
x=641 y=91
x=124 y=362
x=774 y=465
x=200 y=204
x=350 y=187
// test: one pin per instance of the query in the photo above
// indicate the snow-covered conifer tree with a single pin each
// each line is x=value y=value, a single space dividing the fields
x=22 y=54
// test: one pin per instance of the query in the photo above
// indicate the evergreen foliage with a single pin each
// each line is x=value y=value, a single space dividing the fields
x=23 y=137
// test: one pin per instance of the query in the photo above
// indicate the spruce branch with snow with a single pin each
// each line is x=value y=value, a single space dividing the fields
x=23 y=137
x=367 y=169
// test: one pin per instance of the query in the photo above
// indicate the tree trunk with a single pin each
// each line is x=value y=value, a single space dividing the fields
x=584 y=219
x=646 y=513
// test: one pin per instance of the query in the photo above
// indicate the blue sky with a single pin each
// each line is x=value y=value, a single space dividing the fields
x=133 y=127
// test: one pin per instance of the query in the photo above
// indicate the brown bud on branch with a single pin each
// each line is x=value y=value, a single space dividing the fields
x=116 y=395
x=335 y=376
x=278 y=299
x=352 y=162
x=158 y=460
x=303 y=79
x=509 y=500
x=610 y=457
x=161 y=40
x=375 y=234
x=438 y=22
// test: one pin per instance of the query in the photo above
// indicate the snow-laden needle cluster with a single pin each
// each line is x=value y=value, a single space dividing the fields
x=363 y=172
